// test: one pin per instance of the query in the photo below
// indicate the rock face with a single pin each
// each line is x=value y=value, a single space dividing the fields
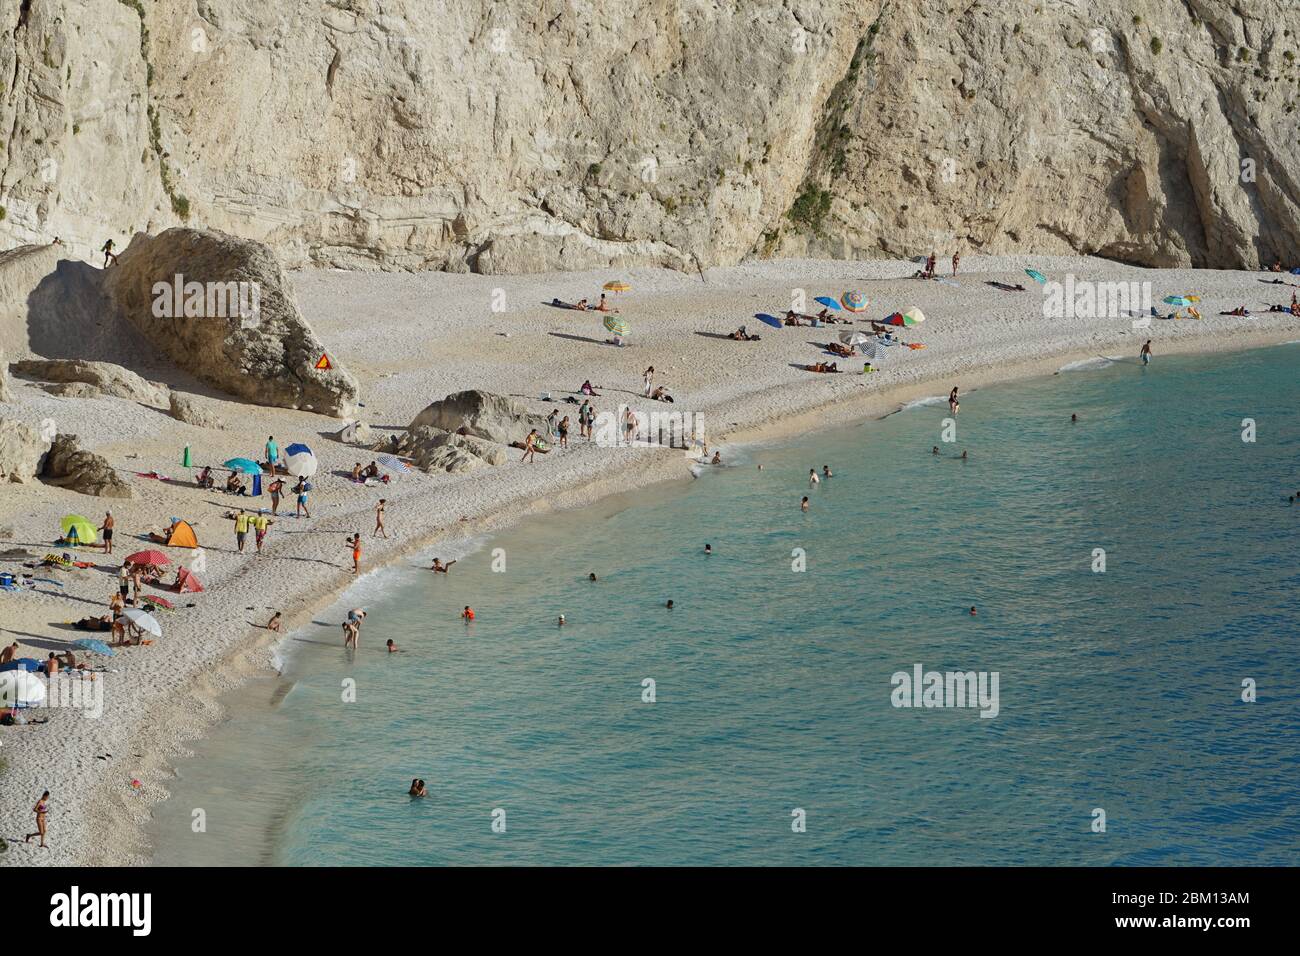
x=4 y=378
x=185 y=408
x=520 y=135
x=481 y=415
x=104 y=377
x=434 y=449
x=69 y=466
x=21 y=450
x=223 y=310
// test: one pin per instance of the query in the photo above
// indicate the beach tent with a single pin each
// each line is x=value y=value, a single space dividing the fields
x=186 y=582
x=21 y=689
x=183 y=536
x=87 y=533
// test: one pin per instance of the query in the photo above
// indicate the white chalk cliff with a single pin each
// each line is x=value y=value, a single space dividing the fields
x=520 y=135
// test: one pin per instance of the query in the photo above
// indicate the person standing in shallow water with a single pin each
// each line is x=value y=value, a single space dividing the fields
x=1145 y=354
x=954 y=405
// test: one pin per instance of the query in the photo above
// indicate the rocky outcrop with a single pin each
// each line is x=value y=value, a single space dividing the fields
x=434 y=449
x=70 y=466
x=356 y=433
x=523 y=135
x=482 y=415
x=21 y=450
x=222 y=309
x=104 y=377
x=191 y=411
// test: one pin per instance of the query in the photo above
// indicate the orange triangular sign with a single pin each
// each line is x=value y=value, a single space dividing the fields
x=324 y=364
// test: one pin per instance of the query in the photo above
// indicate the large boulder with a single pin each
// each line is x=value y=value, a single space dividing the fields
x=480 y=414
x=70 y=466
x=187 y=409
x=21 y=450
x=223 y=310
x=106 y=377
x=434 y=449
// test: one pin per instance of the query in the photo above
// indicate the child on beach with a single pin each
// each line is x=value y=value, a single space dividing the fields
x=1145 y=354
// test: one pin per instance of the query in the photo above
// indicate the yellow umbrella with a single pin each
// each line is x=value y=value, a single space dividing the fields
x=87 y=533
x=617 y=286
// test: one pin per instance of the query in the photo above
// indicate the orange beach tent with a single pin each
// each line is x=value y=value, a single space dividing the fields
x=183 y=536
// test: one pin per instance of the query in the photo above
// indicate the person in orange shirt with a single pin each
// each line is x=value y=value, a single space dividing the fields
x=467 y=614
x=355 y=542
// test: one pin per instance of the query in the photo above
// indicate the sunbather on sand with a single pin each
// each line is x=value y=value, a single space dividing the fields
x=1239 y=310
x=792 y=318
x=1007 y=287
x=823 y=367
x=589 y=389
x=603 y=306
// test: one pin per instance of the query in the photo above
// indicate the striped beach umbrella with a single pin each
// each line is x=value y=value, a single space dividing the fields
x=854 y=338
x=854 y=301
x=393 y=464
x=617 y=325
x=617 y=286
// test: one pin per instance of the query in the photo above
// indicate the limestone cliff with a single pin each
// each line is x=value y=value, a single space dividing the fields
x=516 y=135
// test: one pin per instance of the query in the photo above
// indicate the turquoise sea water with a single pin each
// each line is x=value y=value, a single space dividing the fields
x=1118 y=691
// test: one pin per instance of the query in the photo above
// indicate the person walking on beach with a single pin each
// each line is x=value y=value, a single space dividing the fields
x=1145 y=354
x=272 y=453
x=380 y=530
x=563 y=430
x=242 y=521
x=106 y=530
x=261 y=523
x=954 y=405
x=276 y=488
x=530 y=448
x=583 y=411
x=354 y=543
x=300 y=489
x=956 y=260
x=629 y=424
x=41 y=809
x=649 y=376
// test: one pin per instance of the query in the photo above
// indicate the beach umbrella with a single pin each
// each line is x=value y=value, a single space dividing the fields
x=854 y=338
x=393 y=464
x=149 y=557
x=243 y=464
x=87 y=533
x=1182 y=299
x=303 y=464
x=22 y=664
x=617 y=325
x=827 y=301
x=94 y=646
x=617 y=286
x=1036 y=276
x=915 y=314
x=297 y=448
x=143 y=620
x=898 y=318
x=21 y=689
x=854 y=301
x=160 y=601
x=869 y=347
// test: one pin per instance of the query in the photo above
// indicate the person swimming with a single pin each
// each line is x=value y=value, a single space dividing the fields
x=591 y=576
x=708 y=549
x=669 y=605
x=803 y=505
x=418 y=789
x=441 y=568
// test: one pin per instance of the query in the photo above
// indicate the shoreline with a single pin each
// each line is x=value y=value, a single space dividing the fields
x=127 y=849
x=172 y=695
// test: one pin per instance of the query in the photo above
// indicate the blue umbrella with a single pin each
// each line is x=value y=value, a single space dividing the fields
x=393 y=464
x=21 y=664
x=94 y=646
x=828 y=302
x=243 y=464
x=297 y=448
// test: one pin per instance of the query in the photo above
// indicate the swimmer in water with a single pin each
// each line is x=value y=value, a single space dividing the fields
x=467 y=614
x=669 y=605
x=560 y=622
x=1074 y=418
x=591 y=576
x=963 y=455
x=826 y=471
x=803 y=505
x=440 y=567
x=392 y=648
x=717 y=458
x=972 y=610
x=812 y=477
x=934 y=450
x=417 y=789
x=708 y=549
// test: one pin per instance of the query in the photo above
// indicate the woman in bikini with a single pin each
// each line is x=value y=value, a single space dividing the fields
x=953 y=405
x=41 y=809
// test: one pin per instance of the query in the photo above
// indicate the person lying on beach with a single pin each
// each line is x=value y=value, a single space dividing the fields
x=792 y=318
x=660 y=394
x=741 y=335
x=1240 y=310
x=274 y=624
x=823 y=367
x=162 y=537
x=839 y=348
x=441 y=568
x=103 y=623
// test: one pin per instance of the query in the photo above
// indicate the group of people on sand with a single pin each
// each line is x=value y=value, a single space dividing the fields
x=602 y=305
x=931 y=265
